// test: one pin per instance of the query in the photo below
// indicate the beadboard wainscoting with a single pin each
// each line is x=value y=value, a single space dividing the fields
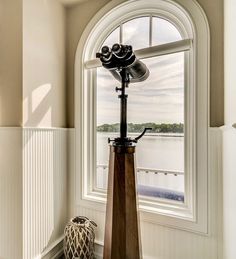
x=44 y=189
x=159 y=241
x=11 y=242
x=33 y=191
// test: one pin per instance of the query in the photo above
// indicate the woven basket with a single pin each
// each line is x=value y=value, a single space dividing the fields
x=79 y=238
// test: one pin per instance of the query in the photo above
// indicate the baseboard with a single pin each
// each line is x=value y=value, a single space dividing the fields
x=98 y=250
x=54 y=251
x=98 y=256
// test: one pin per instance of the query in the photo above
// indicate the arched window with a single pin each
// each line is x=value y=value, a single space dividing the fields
x=175 y=48
x=157 y=102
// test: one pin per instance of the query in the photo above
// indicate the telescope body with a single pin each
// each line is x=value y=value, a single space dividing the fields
x=122 y=229
x=122 y=56
x=122 y=237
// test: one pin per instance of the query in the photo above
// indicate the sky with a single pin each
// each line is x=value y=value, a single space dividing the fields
x=158 y=99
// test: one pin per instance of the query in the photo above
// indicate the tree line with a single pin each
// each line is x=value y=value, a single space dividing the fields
x=156 y=128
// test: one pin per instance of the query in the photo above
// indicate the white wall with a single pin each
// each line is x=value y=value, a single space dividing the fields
x=11 y=63
x=44 y=94
x=33 y=162
x=230 y=57
x=77 y=18
x=44 y=111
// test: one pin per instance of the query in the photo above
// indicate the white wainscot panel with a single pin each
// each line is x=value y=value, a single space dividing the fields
x=229 y=193
x=44 y=189
x=161 y=241
x=10 y=193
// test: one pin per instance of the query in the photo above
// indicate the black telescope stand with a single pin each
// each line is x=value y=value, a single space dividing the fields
x=122 y=238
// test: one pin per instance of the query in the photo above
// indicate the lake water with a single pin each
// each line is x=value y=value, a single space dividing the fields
x=153 y=151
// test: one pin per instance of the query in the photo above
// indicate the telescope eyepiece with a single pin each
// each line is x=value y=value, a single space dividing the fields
x=116 y=48
x=105 y=49
x=106 y=52
x=121 y=51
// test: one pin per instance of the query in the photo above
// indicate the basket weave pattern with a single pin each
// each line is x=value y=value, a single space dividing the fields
x=79 y=239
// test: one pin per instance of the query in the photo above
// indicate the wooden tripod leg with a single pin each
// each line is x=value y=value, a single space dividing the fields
x=122 y=240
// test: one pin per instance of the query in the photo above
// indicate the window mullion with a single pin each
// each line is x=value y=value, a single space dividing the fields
x=121 y=33
x=150 y=31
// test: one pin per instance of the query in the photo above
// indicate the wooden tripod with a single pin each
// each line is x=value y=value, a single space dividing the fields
x=122 y=239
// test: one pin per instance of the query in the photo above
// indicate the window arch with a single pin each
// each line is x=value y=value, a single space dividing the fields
x=144 y=31
x=114 y=25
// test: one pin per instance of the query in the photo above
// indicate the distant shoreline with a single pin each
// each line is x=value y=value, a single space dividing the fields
x=169 y=134
x=162 y=128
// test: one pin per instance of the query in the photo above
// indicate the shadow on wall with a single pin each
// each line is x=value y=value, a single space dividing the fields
x=44 y=93
x=38 y=106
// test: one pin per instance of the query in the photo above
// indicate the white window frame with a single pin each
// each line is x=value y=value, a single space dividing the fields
x=192 y=24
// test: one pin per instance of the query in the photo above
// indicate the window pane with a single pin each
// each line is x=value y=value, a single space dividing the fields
x=107 y=113
x=136 y=32
x=157 y=102
x=163 y=32
x=112 y=38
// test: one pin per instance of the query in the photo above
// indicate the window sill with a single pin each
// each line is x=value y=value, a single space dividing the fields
x=166 y=213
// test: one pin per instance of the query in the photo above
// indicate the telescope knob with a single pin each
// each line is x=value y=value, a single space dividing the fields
x=98 y=55
x=118 y=89
x=110 y=140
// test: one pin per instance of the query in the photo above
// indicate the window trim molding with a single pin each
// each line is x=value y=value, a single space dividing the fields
x=198 y=223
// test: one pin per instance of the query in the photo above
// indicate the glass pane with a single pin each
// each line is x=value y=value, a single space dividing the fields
x=136 y=32
x=112 y=38
x=163 y=32
x=107 y=114
x=157 y=102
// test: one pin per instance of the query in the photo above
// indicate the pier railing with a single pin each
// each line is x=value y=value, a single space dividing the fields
x=148 y=170
x=163 y=185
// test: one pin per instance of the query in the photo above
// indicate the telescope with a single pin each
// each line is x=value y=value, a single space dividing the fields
x=122 y=239
x=122 y=63
x=122 y=56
